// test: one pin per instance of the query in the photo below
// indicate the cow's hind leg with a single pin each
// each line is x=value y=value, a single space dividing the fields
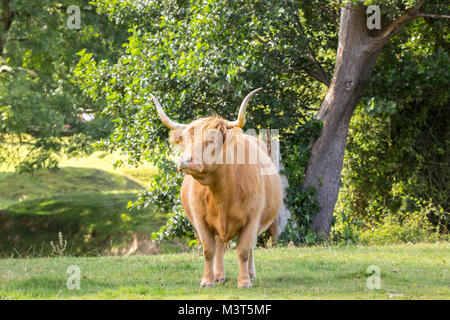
x=219 y=269
x=251 y=264
x=244 y=249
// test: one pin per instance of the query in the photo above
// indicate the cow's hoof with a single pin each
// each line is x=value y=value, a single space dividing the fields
x=245 y=285
x=252 y=276
x=205 y=284
x=221 y=280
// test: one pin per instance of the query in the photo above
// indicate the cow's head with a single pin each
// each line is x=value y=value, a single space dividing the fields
x=202 y=140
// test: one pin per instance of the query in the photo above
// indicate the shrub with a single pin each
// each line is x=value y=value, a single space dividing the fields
x=411 y=223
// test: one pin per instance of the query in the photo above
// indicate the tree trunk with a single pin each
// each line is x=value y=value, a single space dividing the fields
x=355 y=61
x=6 y=19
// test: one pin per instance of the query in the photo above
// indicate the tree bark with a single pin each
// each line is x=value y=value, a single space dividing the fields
x=6 y=18
x=356 y=57
x=354 y=65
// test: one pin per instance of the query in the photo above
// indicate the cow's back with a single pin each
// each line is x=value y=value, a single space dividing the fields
x=272 y=182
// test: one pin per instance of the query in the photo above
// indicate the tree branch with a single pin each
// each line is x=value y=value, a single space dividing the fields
x=321 y=74
x=434 y=16
x=395 y=27
x=6 y=68
x=310 y=72
x=319 y=77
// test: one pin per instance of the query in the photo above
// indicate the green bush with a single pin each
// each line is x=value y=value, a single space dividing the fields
x=413 y=222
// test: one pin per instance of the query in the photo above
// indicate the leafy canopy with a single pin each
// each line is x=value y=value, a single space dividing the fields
x=40 y=103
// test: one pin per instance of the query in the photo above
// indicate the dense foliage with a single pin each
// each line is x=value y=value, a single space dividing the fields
x=398 y=148
x=201 y=58
x=40 y=104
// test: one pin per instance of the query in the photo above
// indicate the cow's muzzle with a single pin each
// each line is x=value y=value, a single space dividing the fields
x=187 y=165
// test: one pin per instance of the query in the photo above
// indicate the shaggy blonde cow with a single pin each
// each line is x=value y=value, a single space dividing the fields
x=231 y=188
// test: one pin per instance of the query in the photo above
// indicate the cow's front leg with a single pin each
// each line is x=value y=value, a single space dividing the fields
x=219 y=268
x=209 y=251
x=244 y=249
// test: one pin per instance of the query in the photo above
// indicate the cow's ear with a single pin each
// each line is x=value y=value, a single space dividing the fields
x=176 y=136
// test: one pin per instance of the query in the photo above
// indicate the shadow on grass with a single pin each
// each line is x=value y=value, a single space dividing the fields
x=88 y=221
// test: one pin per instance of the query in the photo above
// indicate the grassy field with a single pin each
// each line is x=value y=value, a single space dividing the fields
x=419 y=271
x=94 y=173
x=85 y=199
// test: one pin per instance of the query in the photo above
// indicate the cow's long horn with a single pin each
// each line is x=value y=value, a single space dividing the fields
x=242 y=111
x=163 y=116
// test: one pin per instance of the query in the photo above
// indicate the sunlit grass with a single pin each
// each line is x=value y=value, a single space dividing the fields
x=105 y=161
x=419 y=271
x=47 y=183
x=86 y=198
x=93 y=173
x=17 y=150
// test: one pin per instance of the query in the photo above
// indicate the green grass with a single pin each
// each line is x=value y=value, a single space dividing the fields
x=419 y=271
x=105 y=161
x=94 y=173
x=47 y=183
x=92 y=223
x=86 y=199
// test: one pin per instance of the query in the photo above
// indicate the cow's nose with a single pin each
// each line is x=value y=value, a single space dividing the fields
x=184 y=162
x=187 y=159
